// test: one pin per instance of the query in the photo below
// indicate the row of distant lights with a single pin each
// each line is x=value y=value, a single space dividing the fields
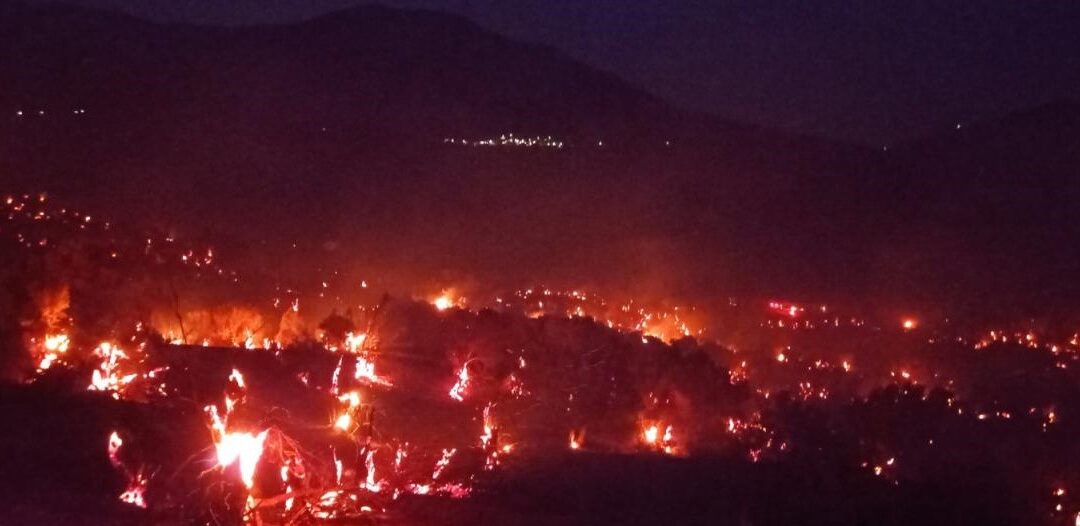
x=21 y=113
x=511 y=140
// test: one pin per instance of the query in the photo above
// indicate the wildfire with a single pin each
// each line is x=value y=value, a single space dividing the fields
x=54 y=346
x=651 y=434
x=135 y=490
x=106 y=377
x=453 y=490
x=651 y=321
x=114 y=448
x=237 y=378
x=444 y=301
x=244 y=448
x=240 y=447
x=365 y=371
x=354 y=342
x=457 y=392
x=136 y=486
x=577 y=439
x=485 y=437
x=444 y=461
x=369 y=482
x=790 y=310
x=489 y=440
x=653 y=439
x=344 y=421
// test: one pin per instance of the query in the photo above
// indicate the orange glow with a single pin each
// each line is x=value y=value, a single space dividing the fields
x=652 y=433
x=114 y=448
x=55 y=345
x=106 y=376
x=577 y=439
x=354 y=342
x=344 y=421
x=133 y=494
x=653 y=439
x=370 y=483
x=447 y=454
x=365 y=370
x=136 y=485
x=237 y=378
x=241 y=447
x=444 y=301
x=457 y=392
x=244 y=448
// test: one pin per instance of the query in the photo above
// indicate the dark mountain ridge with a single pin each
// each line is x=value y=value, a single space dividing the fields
x=331 y=132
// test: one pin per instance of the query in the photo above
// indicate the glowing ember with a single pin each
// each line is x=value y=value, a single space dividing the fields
x=237 y=378
x=133 y=494
x=457 y=392
x=485 y=437
x=577 y=439
x=136 y=485
x=489 y=440
x=652 y=433
x=447 y=454
x=105 y=377
x=353 y=398
x=369 y=483
x=653 y=439
x=343 y=422
x=444 y=301
x=336 y=376
x=354 y=342
x=365 y=371
x=54 y=346
x=243 y=448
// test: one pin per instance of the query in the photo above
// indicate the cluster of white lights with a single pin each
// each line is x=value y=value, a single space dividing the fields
x=23 y=113
x=510 y=139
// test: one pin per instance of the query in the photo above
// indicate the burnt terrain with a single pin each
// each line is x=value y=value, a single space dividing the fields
x=388 y=267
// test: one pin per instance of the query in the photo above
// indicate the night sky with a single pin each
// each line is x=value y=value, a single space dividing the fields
x=867 y=71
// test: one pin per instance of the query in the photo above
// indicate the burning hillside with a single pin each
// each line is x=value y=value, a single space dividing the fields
x=143 y=370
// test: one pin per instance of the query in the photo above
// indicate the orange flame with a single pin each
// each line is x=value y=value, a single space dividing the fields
x=457 y=392
x=577 y=439
x=243 y=448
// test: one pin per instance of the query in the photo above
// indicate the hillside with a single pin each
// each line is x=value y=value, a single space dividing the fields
x=354 y=136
